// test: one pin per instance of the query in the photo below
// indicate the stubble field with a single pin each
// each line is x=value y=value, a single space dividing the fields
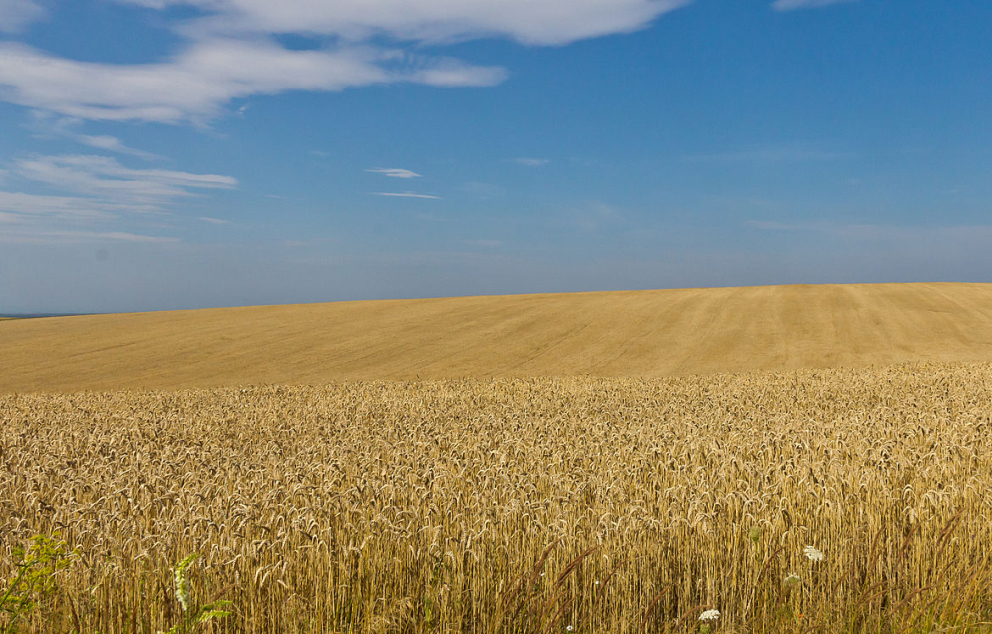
x=570 y=504
x=618 y=334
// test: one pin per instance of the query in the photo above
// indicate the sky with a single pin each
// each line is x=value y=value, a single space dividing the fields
x=169 y=154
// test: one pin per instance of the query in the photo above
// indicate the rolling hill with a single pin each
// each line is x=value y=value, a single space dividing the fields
x=627 y=333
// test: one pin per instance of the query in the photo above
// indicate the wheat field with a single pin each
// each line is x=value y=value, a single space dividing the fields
x=619 y=334
x=600 y=462
x=570 y=504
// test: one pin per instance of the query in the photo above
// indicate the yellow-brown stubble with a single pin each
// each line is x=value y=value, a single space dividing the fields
x=636 y=334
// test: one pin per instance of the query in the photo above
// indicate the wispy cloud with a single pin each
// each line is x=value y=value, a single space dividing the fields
x=214 y=221
x=394 y=172
x=531 y=162
x=93 y=191
x=104 y=177
x=77 y=237
x=47 y=125
x=20 y=206
x=789 y=5
x=406 y=195
x=17 y=14
x=113 y=144
x=196 y=84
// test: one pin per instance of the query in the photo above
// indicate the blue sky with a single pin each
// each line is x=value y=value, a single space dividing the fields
x=160 y=154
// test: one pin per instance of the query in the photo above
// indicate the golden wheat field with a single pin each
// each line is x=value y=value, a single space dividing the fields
x=518 y=505
x=637 y=333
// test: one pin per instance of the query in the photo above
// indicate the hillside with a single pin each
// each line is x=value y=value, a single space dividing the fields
x=635 y=333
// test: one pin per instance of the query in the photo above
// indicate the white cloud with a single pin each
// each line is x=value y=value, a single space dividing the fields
x=113 y=144
x=17 y=14
x=20 y=206
x=788 y=5
x=214 y=221
x=406 y=195
x=47 y=125
x=531 y=162
x=196 y=84
x=230 y=54
x=394 y=172
x=107 y=179
x=548 y=22
x=94 y=190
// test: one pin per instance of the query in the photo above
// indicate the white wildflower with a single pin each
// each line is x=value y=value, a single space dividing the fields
x=709 y=615
x=568 y=629
x=813 y=554
x=792 y=579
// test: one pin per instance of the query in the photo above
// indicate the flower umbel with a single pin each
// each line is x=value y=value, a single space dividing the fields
x=813 y=554
x=709 y=615
x=792 y=579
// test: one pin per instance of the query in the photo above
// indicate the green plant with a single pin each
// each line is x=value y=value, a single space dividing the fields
x=193 y=615
x=33 y=580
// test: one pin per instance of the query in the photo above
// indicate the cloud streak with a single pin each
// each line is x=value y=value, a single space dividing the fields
x=21 y=207
x=394 y=172
x=113 y=144
x=104 y=177
x=406 y=195
x=94 y=191
x=77 y=237
x=531 y=162
x=789 y=5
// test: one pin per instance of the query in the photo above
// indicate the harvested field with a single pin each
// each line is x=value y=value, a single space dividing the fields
x=634 y=334
x=519 y=505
